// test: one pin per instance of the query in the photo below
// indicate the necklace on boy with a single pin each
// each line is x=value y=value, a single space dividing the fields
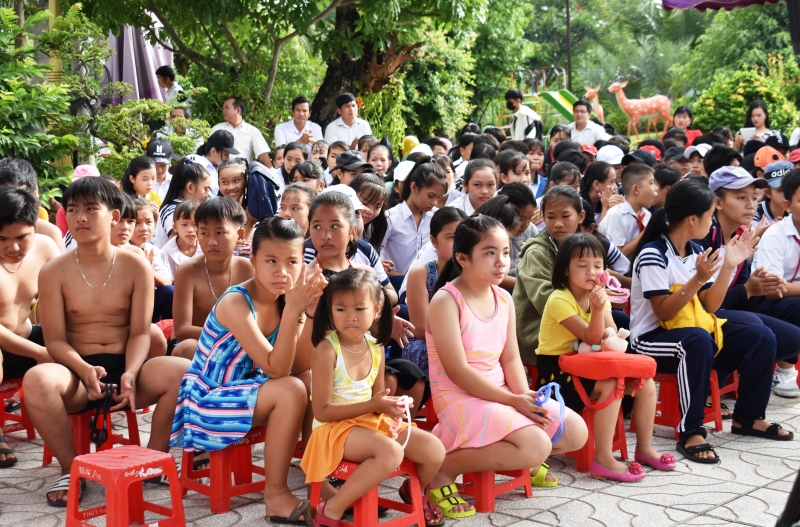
x=355 y=352
x=230 y=278
x=113 y=261
x=15 y=270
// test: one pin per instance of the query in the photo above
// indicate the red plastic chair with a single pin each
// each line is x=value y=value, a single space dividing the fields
x=17 y=422
x=234 y=459
x=365 y=509
x=122 y=471
x=482 y=486
x=83 y=444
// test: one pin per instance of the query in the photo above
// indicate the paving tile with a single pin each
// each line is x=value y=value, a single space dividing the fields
x=760 y=507
x=740 y=466
x=710 y=522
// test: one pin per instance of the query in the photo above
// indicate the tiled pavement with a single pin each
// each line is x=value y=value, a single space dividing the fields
x=749 y=487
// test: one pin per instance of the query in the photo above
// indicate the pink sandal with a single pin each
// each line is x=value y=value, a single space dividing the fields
x=320 y=520
x=635 y=472
x=665 y=462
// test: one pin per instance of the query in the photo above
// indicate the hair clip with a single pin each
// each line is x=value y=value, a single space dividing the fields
x=188 y=160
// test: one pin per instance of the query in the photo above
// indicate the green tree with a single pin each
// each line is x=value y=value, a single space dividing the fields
x=29 y=108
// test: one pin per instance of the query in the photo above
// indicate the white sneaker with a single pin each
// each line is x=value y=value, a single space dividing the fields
x=785 y=384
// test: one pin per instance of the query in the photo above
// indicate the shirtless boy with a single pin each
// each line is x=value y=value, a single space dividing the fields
x=21 y=248
x=19 y=173
x=95 y=305
x=199 y=282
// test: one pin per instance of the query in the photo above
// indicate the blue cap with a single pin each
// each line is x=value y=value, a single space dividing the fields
x=774 y=172
x=733 y=178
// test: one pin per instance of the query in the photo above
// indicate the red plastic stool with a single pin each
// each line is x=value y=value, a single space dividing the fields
x=80 y=435
x=482 y=486
x=234 y=459
x=430 y=417
x=18 y=422
x=584 y=456
x=668 y=412
x=533 y=373
x=365 y=509
x=122 y=470
x=731 y=385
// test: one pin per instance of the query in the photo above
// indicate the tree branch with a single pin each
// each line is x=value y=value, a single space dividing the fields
x=324 y=14
x=235 y=45
x=212 y=41
x=190 y=54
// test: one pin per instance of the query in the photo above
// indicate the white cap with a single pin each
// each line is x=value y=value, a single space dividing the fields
x=611 y=154
x=422 y=147
x=347 y=191
x=402 y=170
x=701 y=149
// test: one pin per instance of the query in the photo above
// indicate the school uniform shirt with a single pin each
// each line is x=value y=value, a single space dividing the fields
x=453 y=193
x=462 y=202
x=69 y=242
x=403 y=237
x=329 y=179
x=211 y=169
x=287 y=132
x=658 y=267
x=162 y=188
x=165 y=224
x=590 y=134
x=763 y=212
x=554 y=338
x=620 y=224
x=339 y=131
x=159 y=265
x=247 y=139
x=522 y=119
x=173 y=92
x=428 y=253
x=365 y=255
x=539 y=185
x=615 y=260
x=736 y=296
x=779 y=250
x=172 y=256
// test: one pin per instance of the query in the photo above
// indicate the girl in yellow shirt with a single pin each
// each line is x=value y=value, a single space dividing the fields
x=140 y=180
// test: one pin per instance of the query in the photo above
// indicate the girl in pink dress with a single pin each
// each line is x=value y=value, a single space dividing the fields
x=488 y=416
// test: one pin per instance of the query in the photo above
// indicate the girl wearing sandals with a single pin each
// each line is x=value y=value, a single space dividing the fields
x=579 y=309
x=352 y=409
x=676 y=287
x=481 y=374
x=240 y=375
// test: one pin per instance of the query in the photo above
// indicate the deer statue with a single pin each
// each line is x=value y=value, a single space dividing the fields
x=636 y=109
x=591 y=95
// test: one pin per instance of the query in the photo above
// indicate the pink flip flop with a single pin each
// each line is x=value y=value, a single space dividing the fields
x=635 y=472
x=665 y=462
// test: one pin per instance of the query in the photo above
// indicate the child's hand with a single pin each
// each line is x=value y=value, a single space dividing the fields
x=402 y=330
x=307 y=290
x=761 y=228
x=388 y=266
x=740 y=248
x=126 y=397
x=537 y=217
x=91 y=379
x=383 y=403
x=707 y=264
x=526 y=405
x=597 y=298
x=763 y=283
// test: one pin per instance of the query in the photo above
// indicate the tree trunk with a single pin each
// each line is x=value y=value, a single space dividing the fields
x=19 y=9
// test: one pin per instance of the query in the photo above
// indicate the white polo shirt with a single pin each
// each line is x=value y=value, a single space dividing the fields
x=172 y=256
x=462 y=202
x=339 y=131
x=522 y=119
x=287 y=132
x=403 y=237
x=210 y=168
x=247 y=139
x=620 y=224
x=162 y=188
x=589 y=135
x=779 y=250
x=172 y=93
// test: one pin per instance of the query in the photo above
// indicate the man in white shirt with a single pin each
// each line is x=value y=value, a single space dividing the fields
x=218 y=148
x=582 y=130
x=524 y=117
x=246 y=138
x=348 y=127
x=165 y=76
x=299 y=129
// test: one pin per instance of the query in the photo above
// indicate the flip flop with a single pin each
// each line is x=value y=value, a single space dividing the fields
x=540 y=478
x=62 y=483
x=303 y=508
x=12 y=406
x=7 y=451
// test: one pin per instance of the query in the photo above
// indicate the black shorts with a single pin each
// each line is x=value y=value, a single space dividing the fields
x=549 y=371
x=114 y=366
x=171 y=345
x=408 y=374
x=15 y=366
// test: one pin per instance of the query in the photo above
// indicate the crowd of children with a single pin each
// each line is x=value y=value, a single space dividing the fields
x=433 y=279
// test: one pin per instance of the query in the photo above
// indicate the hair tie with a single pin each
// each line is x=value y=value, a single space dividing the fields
x=189 y=161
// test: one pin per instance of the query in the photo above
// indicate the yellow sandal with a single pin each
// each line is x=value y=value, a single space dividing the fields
x=540 y=478
x=444 y=498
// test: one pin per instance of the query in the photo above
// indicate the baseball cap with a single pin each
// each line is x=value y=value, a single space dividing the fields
x=422 y=147
x=221 y=140
x=733 y=178
x=701 y=149
x=752 y=146
x=350 y=160
x=347 y=191
x=402 y=170
x=160 y=150
x=775 y=171
x=640 y=156
x=653 y=150
x=85 y=171
x=589 y=149
x=610 y=154
x=794 y=156
x=777 y=141
x=674 y=152
x=767 y=155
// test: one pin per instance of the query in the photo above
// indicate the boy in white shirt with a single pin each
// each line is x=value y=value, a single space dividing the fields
x=625 y=223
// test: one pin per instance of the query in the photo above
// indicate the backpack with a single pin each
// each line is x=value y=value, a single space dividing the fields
x=263 y=192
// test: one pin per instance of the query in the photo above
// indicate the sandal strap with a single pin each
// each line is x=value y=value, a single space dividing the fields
x=697 y=449
x=699 y=431
x=62 y=483
x=773 y=429
x=302 y=508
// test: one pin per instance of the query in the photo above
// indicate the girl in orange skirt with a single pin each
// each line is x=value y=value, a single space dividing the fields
x=353 y=412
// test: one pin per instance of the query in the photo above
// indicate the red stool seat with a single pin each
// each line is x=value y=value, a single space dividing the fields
x=122 y=471
x=482 y=486
x=430 y=417
x=365 y=509
x=18 y=422
x=584 y=456
x=83 y=444
x=235 y=459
